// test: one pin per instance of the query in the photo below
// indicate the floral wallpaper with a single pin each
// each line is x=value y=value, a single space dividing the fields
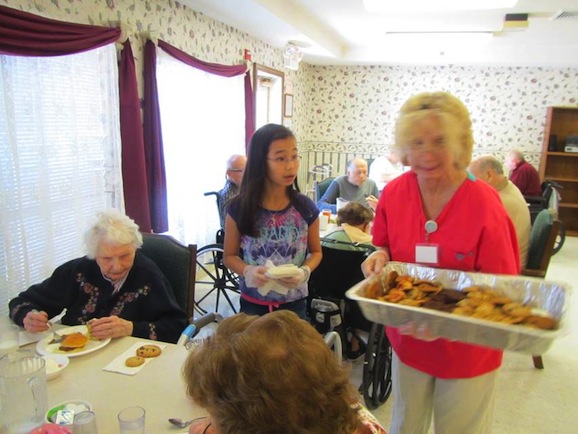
x=357 y=105
x=348 y=109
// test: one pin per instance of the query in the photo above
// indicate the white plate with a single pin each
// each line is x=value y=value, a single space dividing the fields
x=43 y=347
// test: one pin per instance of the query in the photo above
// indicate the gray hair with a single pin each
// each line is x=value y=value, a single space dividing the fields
x=518 y=154
x=113 y=226
x=233 y=159
x=355 y=161
x=486 y=162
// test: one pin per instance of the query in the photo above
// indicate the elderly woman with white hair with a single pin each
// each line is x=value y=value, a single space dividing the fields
x=114 y=287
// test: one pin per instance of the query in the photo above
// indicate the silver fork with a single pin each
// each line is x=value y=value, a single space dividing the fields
x=56 y=338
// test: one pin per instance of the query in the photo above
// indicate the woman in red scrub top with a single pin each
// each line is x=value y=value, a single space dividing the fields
x=439 y=215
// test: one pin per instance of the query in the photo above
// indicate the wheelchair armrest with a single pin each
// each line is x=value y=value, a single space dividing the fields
x=533 y=273
x=534 y=200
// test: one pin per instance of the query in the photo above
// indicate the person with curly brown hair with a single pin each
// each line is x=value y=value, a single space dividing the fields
x=272 y=374
x=353 y=228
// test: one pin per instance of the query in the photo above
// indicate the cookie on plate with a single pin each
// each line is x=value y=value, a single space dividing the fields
x=134 y=361
x=148 y=351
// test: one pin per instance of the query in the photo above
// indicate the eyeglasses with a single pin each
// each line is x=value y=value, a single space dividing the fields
x=285 y=160
x=236 y=170
x=421 y=147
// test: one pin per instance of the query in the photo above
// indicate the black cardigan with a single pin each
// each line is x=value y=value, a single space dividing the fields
x=78 y=286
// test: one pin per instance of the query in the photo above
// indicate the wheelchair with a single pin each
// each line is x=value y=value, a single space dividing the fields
x=550 y=199
x=213 y=277
x=330 y=312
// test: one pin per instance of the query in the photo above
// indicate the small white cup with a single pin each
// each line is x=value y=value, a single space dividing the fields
x=8 y=338
x=323 y=221
x=340 y=203
x=131 y=420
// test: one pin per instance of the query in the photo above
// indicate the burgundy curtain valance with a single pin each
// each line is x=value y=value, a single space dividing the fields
x=213 y=68
x=25 y=34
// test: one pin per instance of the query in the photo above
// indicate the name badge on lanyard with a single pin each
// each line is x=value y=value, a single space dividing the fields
x=427 y=253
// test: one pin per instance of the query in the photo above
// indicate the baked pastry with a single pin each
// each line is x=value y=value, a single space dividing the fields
x=134 y=361
x=148 y=351
x=73 y=341
x=541 y=322
x=476 y=301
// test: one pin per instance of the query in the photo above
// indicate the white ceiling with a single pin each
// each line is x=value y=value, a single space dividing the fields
x=342 y=32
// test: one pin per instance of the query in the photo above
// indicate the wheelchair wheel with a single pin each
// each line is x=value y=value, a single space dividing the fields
x=376 y=383
x=214 y=280
x=559 y=239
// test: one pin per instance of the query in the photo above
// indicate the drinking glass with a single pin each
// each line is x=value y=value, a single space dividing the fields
x=131 y=420
x=84 y=423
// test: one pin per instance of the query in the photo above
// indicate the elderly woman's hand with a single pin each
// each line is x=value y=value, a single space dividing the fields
x=374 y=263
x=35 y=322
x=110 y=327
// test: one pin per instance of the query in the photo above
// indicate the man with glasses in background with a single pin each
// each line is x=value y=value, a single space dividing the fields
x=235 y=169
x=353 y=187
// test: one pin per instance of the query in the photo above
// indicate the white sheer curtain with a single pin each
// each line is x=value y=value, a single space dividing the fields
x=203 y=123
x=59 y=160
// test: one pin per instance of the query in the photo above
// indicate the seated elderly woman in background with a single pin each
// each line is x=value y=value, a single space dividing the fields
x=352 y=234
x=272 y=374
x=353 y=226
x=114 y=287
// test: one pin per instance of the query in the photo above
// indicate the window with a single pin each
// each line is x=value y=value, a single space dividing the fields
x=59 y=160
x=203 y=124
x=268 y=88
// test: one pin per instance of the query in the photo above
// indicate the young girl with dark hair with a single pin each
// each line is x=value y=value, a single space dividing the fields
x=270 y=223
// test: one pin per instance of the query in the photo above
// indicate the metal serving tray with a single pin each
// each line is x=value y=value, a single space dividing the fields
x=548 y=296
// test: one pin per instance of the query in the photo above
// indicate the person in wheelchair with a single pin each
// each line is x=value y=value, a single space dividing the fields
x=353 y=227
x=272 y=374
x=234 y=175
x=352 y=234
x=523 y=174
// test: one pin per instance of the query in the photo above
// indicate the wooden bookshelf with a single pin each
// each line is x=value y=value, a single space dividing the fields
x=560 y=166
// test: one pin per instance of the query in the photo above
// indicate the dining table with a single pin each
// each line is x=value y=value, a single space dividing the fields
x=158 y=386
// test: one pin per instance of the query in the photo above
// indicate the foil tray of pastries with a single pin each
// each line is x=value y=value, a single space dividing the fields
x=505 y=312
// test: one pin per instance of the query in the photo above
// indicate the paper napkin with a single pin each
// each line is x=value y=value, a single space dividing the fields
x=118 y=365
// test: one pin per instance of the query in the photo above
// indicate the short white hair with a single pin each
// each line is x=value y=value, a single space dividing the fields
x=114 y=226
